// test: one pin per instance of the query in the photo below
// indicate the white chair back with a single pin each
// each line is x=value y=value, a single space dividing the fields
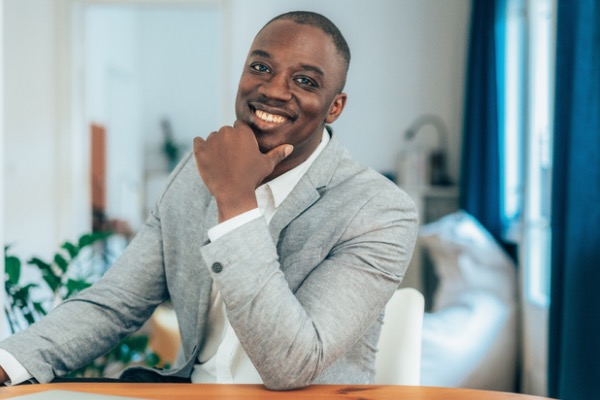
x=399 y=357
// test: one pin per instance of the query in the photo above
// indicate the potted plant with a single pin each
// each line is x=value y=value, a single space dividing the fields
x=74 y=267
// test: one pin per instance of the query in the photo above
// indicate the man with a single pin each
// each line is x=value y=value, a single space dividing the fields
x=277 y=250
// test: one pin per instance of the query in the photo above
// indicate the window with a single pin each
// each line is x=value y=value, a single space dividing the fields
x=514 y=110
x=527 y=125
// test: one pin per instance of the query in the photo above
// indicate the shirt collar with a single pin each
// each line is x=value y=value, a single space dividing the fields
x=282 y=185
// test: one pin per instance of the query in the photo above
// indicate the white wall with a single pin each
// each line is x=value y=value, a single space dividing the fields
x=29 y=157
x=408 y=59
x=2 y=297
x=176 y=44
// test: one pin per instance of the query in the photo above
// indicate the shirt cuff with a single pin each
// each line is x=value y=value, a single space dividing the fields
x=224 y=228
x=13 y=368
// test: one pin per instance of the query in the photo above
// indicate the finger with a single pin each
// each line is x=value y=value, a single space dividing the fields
x=240 y=124
x=198 y=141
x=279 y=153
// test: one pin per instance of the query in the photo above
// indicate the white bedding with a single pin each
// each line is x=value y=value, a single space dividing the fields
x=470 y=337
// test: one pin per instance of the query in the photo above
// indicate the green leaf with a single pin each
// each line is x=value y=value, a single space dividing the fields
x=22 y=293
x=76 y=286
x=102 y=235
x=39 y=263
x=71 y=249
x=29 y=286
x=90 y=238
x=39 y=308
x=12 y=266
x=47 y=273
x=29 y=317
x=20 y=297
x=85 y=240
x=152 y=359
x=61 y=262
x=137 y=343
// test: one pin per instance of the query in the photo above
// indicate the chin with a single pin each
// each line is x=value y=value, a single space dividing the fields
x=262 y=138
x=265 y=147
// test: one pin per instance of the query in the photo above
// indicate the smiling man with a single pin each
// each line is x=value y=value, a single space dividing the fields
x=276 y=249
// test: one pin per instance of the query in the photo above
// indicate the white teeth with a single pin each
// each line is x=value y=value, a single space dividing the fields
x=267 y=117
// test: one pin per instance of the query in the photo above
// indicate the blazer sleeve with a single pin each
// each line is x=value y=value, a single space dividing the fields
x=83 y=328
x=292 y=337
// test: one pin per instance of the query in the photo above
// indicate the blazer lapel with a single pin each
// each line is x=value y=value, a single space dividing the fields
x=306 y=191
x=302 y=196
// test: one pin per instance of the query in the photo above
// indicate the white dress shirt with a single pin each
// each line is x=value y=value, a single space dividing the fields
x=222 y=358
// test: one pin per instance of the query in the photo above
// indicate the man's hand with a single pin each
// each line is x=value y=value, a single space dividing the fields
x=232 y=167
x=3 y=375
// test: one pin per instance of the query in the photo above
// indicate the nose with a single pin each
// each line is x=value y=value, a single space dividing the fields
x=277 y=87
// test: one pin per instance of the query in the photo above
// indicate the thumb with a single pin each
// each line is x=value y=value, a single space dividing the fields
x=279 y=153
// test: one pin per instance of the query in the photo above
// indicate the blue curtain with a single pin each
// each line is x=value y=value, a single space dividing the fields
x=480 y=184
x=574 y=343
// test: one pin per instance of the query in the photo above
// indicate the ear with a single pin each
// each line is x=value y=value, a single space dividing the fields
x=337 y=106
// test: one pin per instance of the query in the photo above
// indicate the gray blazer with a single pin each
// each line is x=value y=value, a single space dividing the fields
x=304 y=294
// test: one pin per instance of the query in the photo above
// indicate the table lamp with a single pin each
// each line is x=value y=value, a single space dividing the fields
x=438 y=175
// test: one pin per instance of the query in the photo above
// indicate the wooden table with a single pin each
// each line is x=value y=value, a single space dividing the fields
x=258 y=392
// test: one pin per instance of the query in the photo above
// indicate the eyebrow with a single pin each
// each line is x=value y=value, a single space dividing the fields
x=265 y=54
x=261 y=53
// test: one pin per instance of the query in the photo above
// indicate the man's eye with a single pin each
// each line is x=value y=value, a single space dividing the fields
x=260 y=67
x=305 y=81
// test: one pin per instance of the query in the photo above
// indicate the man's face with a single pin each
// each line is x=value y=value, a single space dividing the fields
x=290 y=88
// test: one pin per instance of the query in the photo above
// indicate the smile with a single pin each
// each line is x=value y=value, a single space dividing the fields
x=268 y=117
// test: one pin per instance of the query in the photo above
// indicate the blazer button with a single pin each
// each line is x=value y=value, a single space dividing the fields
x=217 y=267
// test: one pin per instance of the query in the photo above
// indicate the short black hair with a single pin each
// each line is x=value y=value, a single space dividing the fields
x=324 y=24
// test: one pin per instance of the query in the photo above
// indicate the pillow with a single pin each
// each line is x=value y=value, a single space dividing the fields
x=467 y=258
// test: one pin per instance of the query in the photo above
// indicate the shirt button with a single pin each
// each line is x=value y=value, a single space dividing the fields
x=217 y=267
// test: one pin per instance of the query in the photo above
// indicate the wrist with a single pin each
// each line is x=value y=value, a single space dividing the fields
x=233 y=206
